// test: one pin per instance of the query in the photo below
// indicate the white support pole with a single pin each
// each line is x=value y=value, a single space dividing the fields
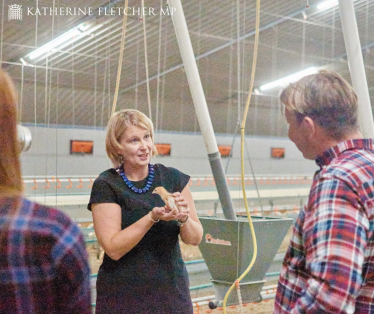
x=201 y=107
x=356 y=67
x=193 y=76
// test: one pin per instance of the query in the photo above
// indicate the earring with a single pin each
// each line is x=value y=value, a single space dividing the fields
x=121 y=159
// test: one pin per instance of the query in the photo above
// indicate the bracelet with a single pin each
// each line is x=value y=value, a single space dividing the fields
x=150 y=217
x=181 y=223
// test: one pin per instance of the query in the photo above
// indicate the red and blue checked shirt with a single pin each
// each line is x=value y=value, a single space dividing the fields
x=43 y=261
x=329 y=265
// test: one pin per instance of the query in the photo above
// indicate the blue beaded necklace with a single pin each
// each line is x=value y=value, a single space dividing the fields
x=151 y=175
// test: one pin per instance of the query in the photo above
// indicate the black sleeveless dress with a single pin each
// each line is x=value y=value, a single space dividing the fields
x=152 y=277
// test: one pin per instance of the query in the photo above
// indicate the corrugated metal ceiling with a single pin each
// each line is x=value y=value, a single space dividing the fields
x=75 y=85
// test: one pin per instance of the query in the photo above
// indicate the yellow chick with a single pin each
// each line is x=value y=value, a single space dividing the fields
x=168 y=198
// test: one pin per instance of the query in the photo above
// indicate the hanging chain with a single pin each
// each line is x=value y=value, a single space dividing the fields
x=252 y=170
x=239 y=308
x=255 y=180
x=232 y=146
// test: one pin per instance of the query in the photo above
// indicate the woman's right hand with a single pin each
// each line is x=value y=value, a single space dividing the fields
x=163 y=213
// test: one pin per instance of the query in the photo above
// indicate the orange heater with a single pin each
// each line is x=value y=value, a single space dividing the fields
x=277 y=152
x=81 y=147
x=225 y=150
x=163 y=149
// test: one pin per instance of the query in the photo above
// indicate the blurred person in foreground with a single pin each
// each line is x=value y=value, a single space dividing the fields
x=143 y=271
x=329 y=265
x=43 y=259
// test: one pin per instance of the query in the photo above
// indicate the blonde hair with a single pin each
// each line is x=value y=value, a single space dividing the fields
x=10 y=169
x=117 y=126
x=325 y=97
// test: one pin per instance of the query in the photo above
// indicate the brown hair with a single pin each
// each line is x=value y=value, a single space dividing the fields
x=10 y=169
x=117 y=126
x=325 y=97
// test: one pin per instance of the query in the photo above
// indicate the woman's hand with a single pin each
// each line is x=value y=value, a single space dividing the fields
x=184 y=210
x=191 y=231
x=167 y=214
x=163 y=213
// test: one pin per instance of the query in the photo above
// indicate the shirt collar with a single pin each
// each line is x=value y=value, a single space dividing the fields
x=333 y=152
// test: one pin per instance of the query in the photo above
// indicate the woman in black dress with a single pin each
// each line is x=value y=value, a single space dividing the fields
x=142 y=271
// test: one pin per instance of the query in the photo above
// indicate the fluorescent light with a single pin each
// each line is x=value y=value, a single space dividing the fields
x=288 y=79
x=327 y=4
x=60 y=42
x=52 y=45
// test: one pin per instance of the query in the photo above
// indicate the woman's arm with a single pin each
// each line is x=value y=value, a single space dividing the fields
x=117 y=242
x=107 y=224
x=192 y=231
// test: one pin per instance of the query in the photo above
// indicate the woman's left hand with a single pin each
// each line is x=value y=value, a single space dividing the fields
x=182 y=204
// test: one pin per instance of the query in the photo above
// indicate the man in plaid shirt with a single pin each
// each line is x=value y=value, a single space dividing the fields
x=43 y=259
x=329 y=265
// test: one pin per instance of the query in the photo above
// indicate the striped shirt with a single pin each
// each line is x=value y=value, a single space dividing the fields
x=43 y=261
x=329 y=265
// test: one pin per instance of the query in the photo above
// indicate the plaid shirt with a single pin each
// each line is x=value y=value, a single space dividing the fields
x=43 y=261
x=329 y=265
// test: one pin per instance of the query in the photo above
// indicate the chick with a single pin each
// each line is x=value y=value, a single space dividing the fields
x=168 y=198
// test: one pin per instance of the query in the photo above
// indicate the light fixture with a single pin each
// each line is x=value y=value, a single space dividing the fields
x=328 y=4
x=60 y=42
x=288 y=79
x=23 y=61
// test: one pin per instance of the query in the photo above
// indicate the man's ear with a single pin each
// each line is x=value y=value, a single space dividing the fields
x=310 y=127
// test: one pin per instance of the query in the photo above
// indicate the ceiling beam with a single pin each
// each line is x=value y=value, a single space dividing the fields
x=219 y=48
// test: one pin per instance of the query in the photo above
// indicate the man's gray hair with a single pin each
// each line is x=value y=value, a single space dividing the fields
x=325 y=97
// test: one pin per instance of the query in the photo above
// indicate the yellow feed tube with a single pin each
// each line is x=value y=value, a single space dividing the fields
x=242 y=131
